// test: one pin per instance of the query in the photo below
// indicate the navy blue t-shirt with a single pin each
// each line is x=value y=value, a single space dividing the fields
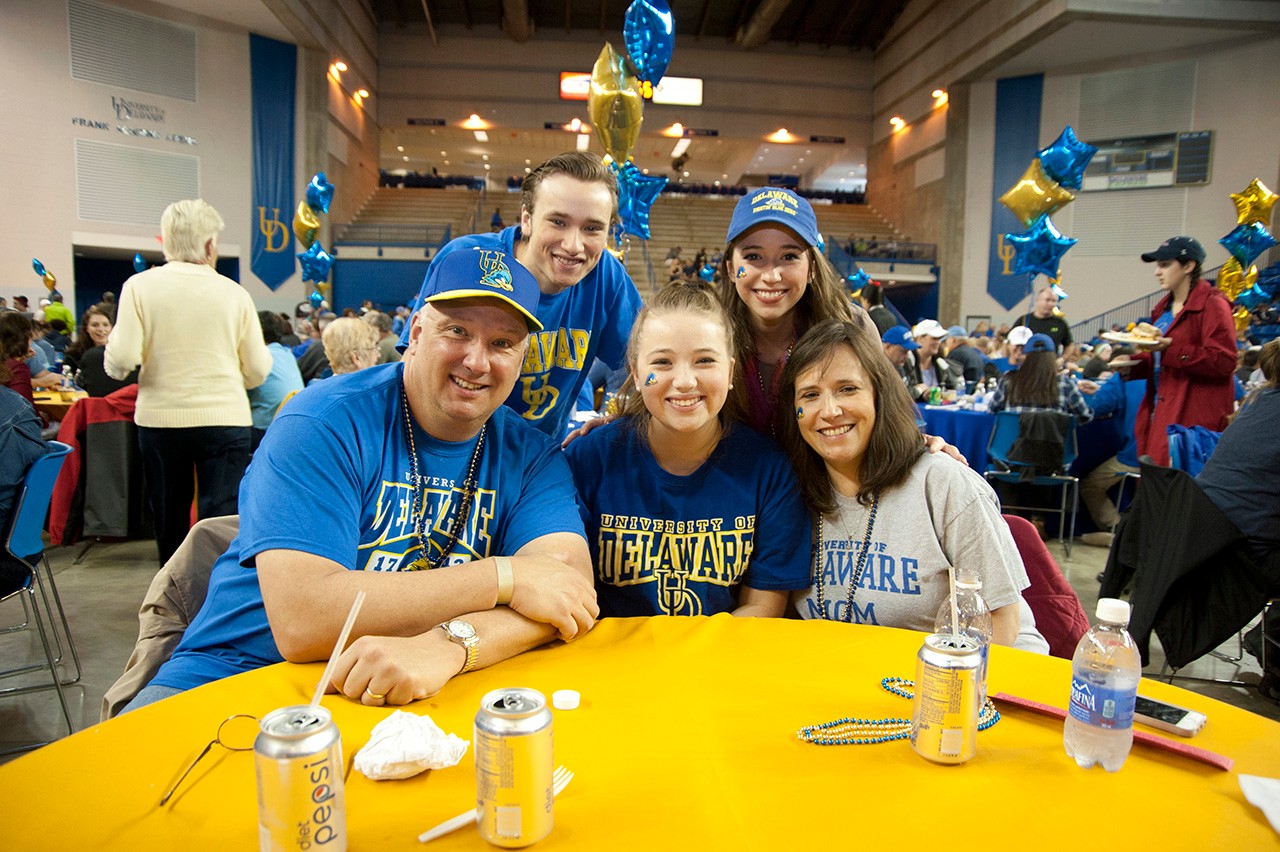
x=664 y=544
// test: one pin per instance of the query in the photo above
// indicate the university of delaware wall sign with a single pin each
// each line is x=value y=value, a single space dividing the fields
x=127 y=114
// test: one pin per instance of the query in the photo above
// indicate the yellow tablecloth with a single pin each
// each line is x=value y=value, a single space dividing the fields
x=56 y=403
x=686 y=739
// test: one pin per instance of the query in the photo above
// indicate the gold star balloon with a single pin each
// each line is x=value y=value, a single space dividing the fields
x=1035 y=194
x=615 y=104
x=1242 y=318
x=1253 y=203
x=1233 y=280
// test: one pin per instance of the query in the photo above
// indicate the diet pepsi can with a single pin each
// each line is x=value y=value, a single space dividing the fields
x=298 y=757
x=513 y=752
x=944 y=719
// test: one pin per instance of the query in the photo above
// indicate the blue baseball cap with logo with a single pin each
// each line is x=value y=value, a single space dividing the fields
x=1040 y=343
x=900 y=335
x=779 y=206
x=479 y=273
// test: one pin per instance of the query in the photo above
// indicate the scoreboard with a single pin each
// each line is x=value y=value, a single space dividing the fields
x=1144 y=162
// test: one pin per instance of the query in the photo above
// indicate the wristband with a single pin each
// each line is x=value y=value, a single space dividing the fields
x=506 y=580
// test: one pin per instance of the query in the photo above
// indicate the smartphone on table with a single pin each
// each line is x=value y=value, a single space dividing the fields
x=1168 y=717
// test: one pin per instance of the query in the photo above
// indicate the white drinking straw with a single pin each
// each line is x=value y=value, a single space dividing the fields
x=346 y=631
x=955 y=610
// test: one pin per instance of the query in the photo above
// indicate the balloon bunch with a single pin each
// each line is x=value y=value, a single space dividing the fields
x=856 y=282
x=50 y=280
x=615 y=104
x=315 y=261
x=1246 y=241
x=1040 y=191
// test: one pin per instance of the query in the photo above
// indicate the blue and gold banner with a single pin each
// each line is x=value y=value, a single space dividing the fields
x=1017 y=140
x=273 y=71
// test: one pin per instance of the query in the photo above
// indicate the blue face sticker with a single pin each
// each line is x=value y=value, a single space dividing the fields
x=652 y=380
x=742 y=270
x=799 y=413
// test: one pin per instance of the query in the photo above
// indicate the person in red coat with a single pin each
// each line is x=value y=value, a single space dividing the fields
x=1189 y=372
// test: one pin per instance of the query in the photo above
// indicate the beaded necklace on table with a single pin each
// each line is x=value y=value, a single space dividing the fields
x=419 y=507
x=851 y=730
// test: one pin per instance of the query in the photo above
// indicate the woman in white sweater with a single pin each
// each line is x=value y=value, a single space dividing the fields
x=197 y=338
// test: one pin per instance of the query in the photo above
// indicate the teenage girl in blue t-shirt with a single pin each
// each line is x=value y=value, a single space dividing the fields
x=687 y=511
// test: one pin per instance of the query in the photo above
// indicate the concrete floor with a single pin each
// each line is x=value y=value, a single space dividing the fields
x=103 y=592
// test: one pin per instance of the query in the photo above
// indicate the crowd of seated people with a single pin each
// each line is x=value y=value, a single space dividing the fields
x=433 y=180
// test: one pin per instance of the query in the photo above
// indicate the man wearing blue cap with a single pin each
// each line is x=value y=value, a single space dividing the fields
x=367 y=480
x=587 y=301
x=960 y=354
x=898 y=342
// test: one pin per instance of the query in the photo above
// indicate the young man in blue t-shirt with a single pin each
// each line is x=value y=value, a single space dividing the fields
x=365 y=480
x=587 y=303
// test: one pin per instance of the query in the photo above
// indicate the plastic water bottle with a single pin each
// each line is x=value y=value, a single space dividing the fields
x=974 y=620
x=67 y=382
x=1105 y=672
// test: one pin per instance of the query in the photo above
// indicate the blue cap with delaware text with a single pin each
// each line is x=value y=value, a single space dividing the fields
x=780 y=206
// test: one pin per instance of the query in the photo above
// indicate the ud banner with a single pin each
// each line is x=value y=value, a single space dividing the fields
x=273 y=67
x=1017 y=141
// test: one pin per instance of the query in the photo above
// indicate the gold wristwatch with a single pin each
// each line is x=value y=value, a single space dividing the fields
x=462 y=633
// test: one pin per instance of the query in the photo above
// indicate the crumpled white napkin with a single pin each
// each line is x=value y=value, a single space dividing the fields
x=1263 y=794
x=403 y=744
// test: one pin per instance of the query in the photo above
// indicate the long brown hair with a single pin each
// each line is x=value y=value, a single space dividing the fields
x=825 y=298
x=895 y=444
x=684 y=299
x=83 y=341
x=1035 y=382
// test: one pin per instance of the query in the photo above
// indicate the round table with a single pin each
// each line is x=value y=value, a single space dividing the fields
x=686 y=739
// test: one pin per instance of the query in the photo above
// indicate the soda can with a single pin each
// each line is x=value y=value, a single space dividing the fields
x=298 y=758
x=944 y=719
x=513 y=752
x=935 y=396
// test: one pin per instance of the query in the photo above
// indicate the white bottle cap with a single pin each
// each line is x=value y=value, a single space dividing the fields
x=1113 y=611
x=565 y=699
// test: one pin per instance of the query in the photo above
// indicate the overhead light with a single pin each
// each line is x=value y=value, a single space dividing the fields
x=487 y=167
x=528 y=170
x=484 y=157
x=528 y=162
x=686 y=174
x=362 y=93
x=574 y=126
x=675 y=131
x=939 y=97
x=681 y=147
x=406 y=159
x=584 y=141
x=443 y=154
x=897 y=123
x=400 y=148
x=782 y=135
x=340 y=65
x=481 y=136
x=475 y=122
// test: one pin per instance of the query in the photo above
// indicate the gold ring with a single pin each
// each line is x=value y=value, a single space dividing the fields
x=374 y=695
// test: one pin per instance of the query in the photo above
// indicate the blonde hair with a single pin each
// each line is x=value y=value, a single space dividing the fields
x=186 y=226
x=684 y=300
x=343 y=338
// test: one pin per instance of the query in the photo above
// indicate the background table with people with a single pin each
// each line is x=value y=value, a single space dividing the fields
x=686 y=736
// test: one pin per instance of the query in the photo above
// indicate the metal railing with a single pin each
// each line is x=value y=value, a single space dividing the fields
x=374 y=234
x=1136 y=310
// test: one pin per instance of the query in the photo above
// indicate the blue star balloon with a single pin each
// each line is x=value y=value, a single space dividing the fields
x=636 y=193
x=139 y=263
x=649 y=32
x=319 y=193
x=1039 y=248
x=1253 y=297
x=707 y=273
x=316 y=299
x=1246 y=242
x=1066 y=158
x=857 y=281
x=38 y=267
x=315 y=263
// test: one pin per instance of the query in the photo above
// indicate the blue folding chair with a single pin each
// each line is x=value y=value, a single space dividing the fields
x=1002 y=468
x=24 y=542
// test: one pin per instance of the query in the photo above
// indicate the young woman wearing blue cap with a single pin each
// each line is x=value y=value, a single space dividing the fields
x=1189 y=370
x=1038 y=386
x=775 y=284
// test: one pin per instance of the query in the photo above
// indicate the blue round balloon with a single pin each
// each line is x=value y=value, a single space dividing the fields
x=319 y=193
x=649 y=32
x=1246 y=242
x=139 y=263
x=315 y=263
x=1066 y=158
x=636 y=193
x=1039 y=248
x=316 y=299
x=707 y=273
